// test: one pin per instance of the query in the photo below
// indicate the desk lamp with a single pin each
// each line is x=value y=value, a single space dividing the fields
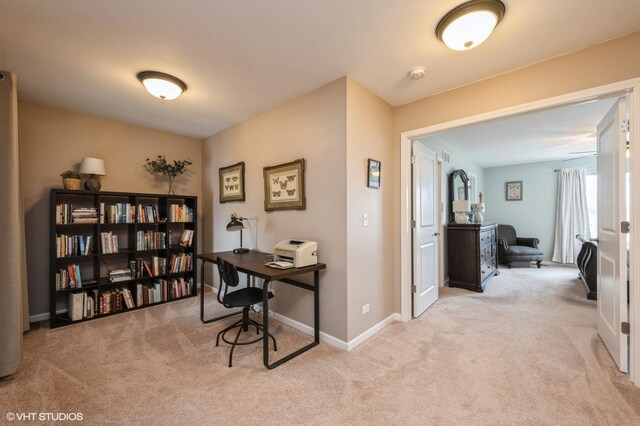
x=237 y=224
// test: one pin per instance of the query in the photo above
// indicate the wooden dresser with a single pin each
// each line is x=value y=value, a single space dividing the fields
x=472 y=254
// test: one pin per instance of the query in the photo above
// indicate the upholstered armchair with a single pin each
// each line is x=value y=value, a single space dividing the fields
x=512 y=248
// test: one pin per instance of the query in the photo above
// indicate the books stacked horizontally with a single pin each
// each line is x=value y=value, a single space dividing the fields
x=73 y=245
x=178 y=213
x=117 y=213
x=186 y=238
x=150 y=240
x=148 y=213
x=85 y=215
x=68 y=277
x=118 y=275
x=109 y=242
x=180 y=263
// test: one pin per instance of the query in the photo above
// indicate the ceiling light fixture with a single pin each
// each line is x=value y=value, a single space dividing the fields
x=470 y=24
x=161 y=85
x=417 y=73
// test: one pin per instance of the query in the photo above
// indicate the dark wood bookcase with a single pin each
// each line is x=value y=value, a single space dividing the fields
x=176 y=213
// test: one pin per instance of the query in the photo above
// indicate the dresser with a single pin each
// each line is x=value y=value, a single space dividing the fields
x=472 y=254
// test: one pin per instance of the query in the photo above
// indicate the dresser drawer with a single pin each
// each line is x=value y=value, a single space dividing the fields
x=487 y=268
x=487 y=237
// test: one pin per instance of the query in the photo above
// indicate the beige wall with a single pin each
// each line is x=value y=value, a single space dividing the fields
x=53 y=140
x=312 y=127
x=369 y=249
x=606 y=63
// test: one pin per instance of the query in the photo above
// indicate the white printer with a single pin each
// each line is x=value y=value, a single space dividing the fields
x=299 y=252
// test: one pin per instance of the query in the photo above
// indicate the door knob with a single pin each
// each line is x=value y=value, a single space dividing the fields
x=435 y=234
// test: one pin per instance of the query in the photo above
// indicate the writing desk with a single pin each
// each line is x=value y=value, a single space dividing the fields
x=252 y=264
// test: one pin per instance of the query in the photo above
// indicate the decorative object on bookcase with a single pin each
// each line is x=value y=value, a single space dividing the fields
x=161 y=166
x=94 y=167
x=71 y=179
x=92 y=277
x=232 y=183
x=284 y=186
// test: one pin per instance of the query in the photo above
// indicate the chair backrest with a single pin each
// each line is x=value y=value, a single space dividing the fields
x=508 y=233
x=228 y=278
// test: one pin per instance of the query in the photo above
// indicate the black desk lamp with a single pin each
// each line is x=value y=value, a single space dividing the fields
x=237 y=224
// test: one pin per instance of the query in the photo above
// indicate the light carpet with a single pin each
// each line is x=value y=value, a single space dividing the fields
x=524 y=352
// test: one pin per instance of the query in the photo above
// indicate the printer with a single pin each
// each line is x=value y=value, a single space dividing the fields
x=299 y=252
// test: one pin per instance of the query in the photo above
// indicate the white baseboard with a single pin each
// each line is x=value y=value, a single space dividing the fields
x=334 y=341
x=43 y=317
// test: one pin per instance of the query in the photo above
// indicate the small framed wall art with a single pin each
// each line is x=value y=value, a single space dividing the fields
x=284 y=186
x=373 y=175
x=514 y=191
x=232 y=183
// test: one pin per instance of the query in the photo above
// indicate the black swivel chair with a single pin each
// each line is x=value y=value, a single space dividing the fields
x=244 y=298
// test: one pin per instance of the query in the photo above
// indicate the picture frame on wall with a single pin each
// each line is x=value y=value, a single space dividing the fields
x=514 y=191
x=284 y=186
x=232 y=183
x=374 y=173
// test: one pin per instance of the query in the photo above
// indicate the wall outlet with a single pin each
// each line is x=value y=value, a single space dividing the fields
x=365 y=219
x=365 y=309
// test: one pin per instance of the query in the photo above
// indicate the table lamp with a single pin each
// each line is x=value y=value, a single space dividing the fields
x=237 y=224
x=94 y=167
x=461 y=209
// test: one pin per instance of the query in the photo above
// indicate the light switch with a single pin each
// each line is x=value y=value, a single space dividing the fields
x=365 y=219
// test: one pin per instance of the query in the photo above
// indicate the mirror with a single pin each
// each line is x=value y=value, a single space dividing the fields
x=458 y=189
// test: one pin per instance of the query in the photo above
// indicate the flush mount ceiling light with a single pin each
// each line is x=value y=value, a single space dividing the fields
x=161 y=85
x=470 y=24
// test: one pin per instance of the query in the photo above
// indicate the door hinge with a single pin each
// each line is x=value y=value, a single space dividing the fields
x=413 y=288
x=624 y=227
x=625 y=328
x=413 y=223
x=413 y=159
x=624 y=126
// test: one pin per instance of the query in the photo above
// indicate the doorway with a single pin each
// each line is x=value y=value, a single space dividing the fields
x=627 y=87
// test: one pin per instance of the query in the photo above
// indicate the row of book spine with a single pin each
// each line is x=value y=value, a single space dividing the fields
x=186 y=238
x=141 y=268
x=181 y=263
x=148 y=213
x=67 y=214
x=73 y=245
x=68 y=277
x=89 y=304
x=180 y=213
x=109 y=242
x=150 y=240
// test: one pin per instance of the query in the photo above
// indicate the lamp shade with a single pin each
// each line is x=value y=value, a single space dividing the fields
x=470 y=24
x=461 y=206
x=235 y=224
x=92 y=166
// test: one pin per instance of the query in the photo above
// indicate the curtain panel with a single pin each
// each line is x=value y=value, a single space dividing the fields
x=14 y=310
x=572 y=215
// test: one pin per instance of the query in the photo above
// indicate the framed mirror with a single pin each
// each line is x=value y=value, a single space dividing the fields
x=458 y=189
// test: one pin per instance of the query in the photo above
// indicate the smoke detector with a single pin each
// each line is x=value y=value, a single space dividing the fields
x=417 y=73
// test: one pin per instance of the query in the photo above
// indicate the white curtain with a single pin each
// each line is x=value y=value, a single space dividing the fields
x=14 y=313
x=572 y=216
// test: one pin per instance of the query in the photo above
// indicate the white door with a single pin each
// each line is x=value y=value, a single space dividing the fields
x=612 y=250
x=425 y=237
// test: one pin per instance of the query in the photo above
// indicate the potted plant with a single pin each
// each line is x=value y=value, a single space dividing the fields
x=71 y=179
x=161 y=166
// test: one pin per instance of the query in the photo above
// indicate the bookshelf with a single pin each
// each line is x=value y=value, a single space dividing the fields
x=114 y=252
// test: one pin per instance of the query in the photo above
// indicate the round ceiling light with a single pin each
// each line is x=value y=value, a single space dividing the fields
x=161 y=85
x=470 y=24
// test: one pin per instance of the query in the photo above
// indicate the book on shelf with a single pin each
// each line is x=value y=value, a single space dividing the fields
x=180 y=263
x=109 y=242
x=76 y=306
x=67 y=214
x=73 y=245
x=117 y=275
x=186 y=238
x=68 y=277
x=117 y=213
x=148 y=213
x=180 y=213
x=150 y=240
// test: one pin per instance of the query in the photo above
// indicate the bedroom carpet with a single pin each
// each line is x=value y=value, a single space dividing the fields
x=525 y=352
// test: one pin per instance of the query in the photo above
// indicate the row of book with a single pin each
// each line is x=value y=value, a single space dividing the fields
x=181 y=263
x=67 y=214
x=92 y=303
x=180 y=213
x=68 y=277
x=117 y=275
x=148 y=214
x=150 y=240
x=73 y=245
x=117 y=213
x=141 y=268
x=186 y=238
x=109 y=242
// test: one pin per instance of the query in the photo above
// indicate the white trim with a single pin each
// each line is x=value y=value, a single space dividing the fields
x=334 y=341
x=629 y=86
x=44 y=317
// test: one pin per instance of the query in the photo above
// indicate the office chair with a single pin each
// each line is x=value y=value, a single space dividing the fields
x=244 y=298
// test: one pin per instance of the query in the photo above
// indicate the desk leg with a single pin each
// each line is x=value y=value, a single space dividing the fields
x=202 y=300
x=265 y=323
x=316 y=306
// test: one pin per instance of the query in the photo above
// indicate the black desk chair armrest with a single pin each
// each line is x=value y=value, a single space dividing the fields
x=529 y=242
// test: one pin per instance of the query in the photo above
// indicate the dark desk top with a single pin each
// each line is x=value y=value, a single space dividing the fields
x=253 y=263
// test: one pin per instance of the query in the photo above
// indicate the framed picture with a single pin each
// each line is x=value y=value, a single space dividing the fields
x=373 y=176
x=514 y=191
x=232 y=183
x=284 y=186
